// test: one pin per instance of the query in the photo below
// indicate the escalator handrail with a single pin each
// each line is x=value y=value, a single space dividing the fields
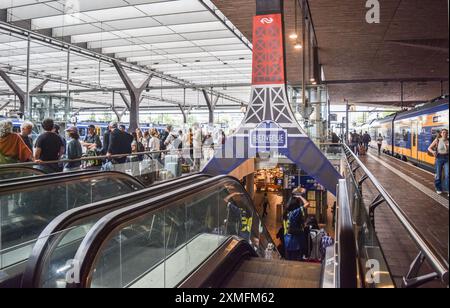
x=12 y=168
x=346 y=241
x=225 y=259
x=438 y=262
x=46 y=243
x=98 y=236
x=22 y=185
x=43 y=176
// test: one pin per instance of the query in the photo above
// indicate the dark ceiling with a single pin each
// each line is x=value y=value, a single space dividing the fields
x=366 y=63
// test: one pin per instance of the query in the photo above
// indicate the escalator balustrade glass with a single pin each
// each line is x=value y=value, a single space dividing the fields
x=162 y=247
x=25 y=212
x=18 y=172
x=56 y=251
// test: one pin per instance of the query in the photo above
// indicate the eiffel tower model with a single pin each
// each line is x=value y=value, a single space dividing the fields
x=270 y=125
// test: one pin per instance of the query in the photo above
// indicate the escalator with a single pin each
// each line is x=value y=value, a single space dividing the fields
x=209 y=228
x=58 y=242
x=235 y=265
x=27 y=207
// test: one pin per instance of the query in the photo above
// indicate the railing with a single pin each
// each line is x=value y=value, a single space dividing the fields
x=345 y=247
x=367 y=233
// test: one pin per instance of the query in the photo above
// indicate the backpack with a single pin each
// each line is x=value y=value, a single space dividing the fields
x=93 y=162
x=296 y=227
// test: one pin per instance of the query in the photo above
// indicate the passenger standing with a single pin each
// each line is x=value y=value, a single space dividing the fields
x=197 y=145
x=334 y=138
x=92 y=141
x=354 y=142
x=294 y=219
x=366 y=140
x=186 y=143
x=380 y=143
x=146 y=140
x=49 y=147
x=172 y=142
x=155 y=144
x=106 y=141
x=440 y=149
x=12 y=148
x=265 y=205
x=120 y=143
x=74 y=149
x=56 y=130
x=26 y=130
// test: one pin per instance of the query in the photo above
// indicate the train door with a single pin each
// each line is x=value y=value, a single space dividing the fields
x=415 y=139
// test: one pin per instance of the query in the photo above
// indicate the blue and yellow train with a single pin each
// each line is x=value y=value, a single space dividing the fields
x=407 y=135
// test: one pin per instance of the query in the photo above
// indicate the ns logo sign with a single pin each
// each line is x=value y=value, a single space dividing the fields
x=373 y=14
x=266 y=20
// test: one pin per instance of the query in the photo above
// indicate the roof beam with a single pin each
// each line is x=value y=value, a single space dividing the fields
x=387 y=80
x=16 y=89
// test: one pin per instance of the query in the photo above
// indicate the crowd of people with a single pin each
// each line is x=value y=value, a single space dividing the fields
x=359 y=143
x=51 y=146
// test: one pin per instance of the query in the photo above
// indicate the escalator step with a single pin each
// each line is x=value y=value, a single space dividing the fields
x=259 y=273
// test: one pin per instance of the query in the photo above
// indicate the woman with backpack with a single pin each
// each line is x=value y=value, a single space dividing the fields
x=440 y=149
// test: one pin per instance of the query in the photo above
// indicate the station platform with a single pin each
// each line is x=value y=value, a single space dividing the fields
x=413 y=190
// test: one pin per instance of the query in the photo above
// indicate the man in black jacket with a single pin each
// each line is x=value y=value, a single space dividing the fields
x=120 y=143
x=106 y=137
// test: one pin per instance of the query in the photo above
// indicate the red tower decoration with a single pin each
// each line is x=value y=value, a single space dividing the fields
x=268 y=54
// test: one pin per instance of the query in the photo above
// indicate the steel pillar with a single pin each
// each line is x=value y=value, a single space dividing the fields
x=17 y=91
x=211 y=103
x=134 y=92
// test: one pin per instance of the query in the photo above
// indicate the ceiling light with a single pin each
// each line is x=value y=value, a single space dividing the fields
x=293 y=36
x=298 y=46
x=312 y=79
x=314 y=83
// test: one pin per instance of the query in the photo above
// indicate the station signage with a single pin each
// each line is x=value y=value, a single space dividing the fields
x=268 y=135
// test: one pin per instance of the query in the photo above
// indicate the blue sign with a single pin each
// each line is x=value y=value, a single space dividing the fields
x=268 y=135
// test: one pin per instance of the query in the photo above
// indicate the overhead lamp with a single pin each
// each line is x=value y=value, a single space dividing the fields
x=314 y=82
x=312 y=79
x=298 y=46
x=293 y=36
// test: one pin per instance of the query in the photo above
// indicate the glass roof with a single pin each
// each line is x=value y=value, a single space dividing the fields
x=182 y=39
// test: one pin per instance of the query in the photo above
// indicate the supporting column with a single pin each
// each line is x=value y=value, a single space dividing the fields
x=134 y=92
x=347 y=121
x=183 y=112
x=211 y=106
x=17 y=91
x=28 y=99
x=120 y=114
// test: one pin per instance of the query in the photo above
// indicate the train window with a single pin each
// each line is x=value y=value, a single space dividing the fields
x=414 y=141
x=436 y=119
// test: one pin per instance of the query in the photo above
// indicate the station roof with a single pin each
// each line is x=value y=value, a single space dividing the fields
x=365 y=63
x=204 y=43
x=188 y=41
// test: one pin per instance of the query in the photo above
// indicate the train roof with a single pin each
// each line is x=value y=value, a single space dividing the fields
x=437 y=105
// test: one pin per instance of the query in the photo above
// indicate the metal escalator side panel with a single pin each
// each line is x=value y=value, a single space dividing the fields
x=216 y=269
